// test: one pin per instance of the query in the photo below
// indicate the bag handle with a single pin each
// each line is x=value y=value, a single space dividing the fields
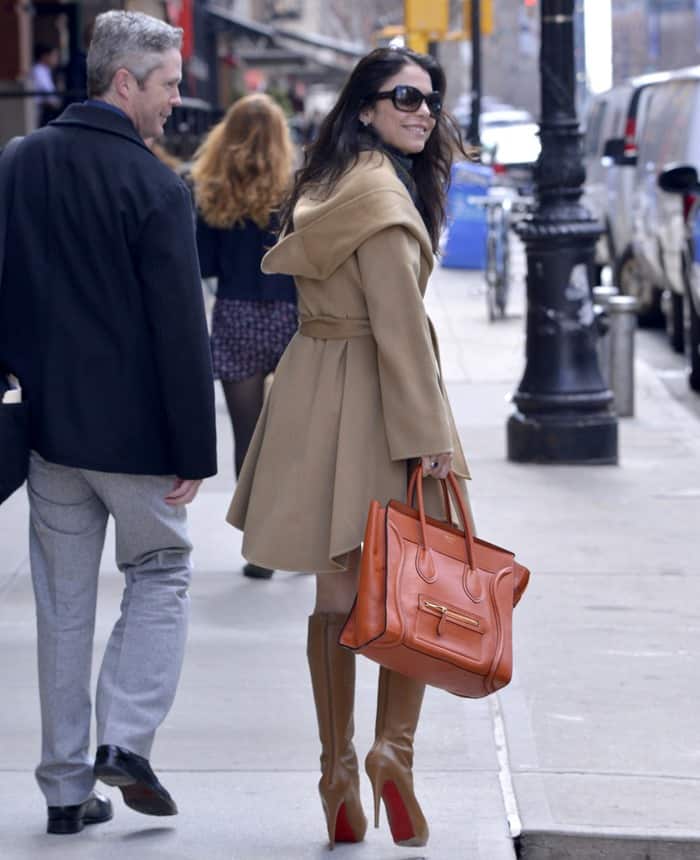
x=411 y=494
x=450 y=486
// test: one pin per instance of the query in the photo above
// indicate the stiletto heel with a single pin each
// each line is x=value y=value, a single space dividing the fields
x=377 y=795
x=333 y=680
x=389 y=762
x=391 y=785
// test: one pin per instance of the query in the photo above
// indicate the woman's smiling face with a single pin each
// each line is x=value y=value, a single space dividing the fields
x=405 y=131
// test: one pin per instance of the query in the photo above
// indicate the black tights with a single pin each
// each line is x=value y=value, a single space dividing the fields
x=244 y=400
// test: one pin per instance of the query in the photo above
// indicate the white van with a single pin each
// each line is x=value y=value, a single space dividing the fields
x=611 y=146
x=670 y=135
x=682 y=179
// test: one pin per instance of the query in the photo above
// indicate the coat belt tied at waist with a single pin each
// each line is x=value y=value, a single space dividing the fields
x=334 y=328
x=343 y=328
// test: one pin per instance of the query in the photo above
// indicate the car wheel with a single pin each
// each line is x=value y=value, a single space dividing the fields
x=675 y=325
x=631 y=282
x=694 y=343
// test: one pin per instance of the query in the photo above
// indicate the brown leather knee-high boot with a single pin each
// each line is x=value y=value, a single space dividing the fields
x=389 y=763
x=333 y=679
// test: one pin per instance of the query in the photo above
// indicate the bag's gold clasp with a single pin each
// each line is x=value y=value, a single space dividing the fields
x=445 y=612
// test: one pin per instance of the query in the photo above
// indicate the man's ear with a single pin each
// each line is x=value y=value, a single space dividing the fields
x=123 y=82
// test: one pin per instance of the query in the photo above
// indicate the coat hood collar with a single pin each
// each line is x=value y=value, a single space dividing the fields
x=367 y=199
x=100 y=119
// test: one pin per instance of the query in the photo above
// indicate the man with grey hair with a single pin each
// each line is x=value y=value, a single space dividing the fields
x=102 y=320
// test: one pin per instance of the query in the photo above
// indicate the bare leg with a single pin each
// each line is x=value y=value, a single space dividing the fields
x=335 y=592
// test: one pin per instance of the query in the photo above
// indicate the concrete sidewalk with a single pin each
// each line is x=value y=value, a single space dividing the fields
x=600 y=720
x=602 y=716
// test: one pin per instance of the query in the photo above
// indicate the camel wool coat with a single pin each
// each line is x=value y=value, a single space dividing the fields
x=358 y=392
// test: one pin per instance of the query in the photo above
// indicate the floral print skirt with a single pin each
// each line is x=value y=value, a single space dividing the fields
x=249 y=337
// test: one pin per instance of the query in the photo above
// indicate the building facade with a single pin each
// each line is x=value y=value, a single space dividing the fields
x=654 y=35
x=317 y=41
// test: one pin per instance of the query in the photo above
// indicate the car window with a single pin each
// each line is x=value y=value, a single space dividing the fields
x=648 y=131
x=668 y=112
x=518 y=143
x=639 y=110
x=617 y=126
x=593 y=144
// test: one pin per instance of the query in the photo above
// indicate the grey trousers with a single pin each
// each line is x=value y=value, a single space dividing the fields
x=69 y=509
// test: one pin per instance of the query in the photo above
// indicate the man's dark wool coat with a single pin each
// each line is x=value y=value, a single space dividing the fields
x=101 y=310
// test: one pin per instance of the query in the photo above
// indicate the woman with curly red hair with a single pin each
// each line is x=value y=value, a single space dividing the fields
x=240 y=174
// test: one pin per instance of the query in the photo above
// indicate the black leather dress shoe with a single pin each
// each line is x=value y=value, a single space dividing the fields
x=133 y=776
x=72 y=819
x=254 y=571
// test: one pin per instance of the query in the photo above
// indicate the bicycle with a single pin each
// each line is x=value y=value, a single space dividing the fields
x=499 y=212
x=497 y=271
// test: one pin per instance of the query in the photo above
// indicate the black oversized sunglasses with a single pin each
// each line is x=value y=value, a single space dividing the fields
x=409 y=99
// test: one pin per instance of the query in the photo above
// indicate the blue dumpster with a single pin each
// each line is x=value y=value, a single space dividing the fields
x=464 y=243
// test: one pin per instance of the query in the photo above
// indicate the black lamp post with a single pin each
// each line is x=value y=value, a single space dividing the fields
x=563 y=408
x=473 y=133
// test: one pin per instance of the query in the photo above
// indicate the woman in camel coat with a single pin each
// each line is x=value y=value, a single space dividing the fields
x=357 y=396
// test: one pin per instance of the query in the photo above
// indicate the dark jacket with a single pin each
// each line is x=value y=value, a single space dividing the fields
x=101 y=311
x=233 y=255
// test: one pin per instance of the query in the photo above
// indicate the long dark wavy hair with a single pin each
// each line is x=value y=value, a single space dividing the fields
x=342 y=137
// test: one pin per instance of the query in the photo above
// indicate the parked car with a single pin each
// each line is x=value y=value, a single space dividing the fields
x=682 y=181
x=462 y=109
x=509 y=138
x=510 y=143
x=670 y=136
x=614 y=121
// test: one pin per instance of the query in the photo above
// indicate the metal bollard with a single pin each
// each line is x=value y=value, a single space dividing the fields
x=601 y=297
x=623 y=322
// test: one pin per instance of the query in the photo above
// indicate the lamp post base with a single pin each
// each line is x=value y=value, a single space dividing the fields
x=563 y=438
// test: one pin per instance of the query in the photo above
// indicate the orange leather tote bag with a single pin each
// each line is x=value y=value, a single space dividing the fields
x=434 y=602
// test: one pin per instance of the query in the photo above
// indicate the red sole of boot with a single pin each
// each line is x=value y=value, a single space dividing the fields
x=343 y=831
x=399 y=819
